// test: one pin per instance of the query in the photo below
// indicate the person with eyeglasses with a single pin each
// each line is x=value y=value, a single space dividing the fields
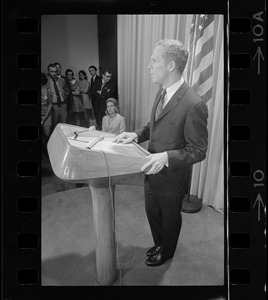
x=105 y=91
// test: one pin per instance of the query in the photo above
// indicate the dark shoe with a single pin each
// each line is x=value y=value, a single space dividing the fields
x=152 y=251
x=156 y=260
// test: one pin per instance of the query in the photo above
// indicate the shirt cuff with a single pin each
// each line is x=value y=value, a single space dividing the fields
x=136 y=138
x=166 y=164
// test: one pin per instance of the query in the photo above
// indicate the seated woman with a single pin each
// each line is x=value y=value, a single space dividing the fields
x=113 y=122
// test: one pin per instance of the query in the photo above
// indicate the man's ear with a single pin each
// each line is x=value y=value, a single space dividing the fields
x=171 y=66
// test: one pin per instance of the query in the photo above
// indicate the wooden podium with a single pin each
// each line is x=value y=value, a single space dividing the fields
x=81 y=155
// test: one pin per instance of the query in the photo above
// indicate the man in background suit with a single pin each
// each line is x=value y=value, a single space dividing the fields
x=105 y=91
x=95 y=85
x=57 y=85
x=178 y=137
x=67 y=89
x=58 y=66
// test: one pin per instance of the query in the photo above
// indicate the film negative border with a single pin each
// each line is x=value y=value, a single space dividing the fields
x=21 y=155
x=246 y=156
x=246 y=152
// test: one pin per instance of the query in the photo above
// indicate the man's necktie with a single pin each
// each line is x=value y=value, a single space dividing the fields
x=160 y=104
x=102 y=86
x=57 y=93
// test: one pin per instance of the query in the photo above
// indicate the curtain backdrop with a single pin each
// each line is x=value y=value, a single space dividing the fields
x=137 y=35
x=208 y=178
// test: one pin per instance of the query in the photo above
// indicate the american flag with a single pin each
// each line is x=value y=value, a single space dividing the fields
x=200 y=62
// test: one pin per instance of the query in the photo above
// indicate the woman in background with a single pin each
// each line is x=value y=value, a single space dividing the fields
x=46 y=105
x=86 y=101
x=76 y=107
x=113 y=122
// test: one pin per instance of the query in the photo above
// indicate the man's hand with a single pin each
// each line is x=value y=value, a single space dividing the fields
x=125 y=137
x=155 y=164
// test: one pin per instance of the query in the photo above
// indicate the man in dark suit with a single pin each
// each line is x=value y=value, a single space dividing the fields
x=95 y=85
x=178 y=137
x=56 y=85
x=105 y=91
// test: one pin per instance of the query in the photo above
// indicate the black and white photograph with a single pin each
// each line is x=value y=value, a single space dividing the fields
x=133 y=183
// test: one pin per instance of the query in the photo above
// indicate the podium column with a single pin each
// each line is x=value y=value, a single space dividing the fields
x=104 y=224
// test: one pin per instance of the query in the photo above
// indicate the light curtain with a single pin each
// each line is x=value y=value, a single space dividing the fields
x=137 y=35
x=207 y=177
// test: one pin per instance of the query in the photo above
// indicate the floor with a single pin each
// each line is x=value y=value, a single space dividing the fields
x=68 y=241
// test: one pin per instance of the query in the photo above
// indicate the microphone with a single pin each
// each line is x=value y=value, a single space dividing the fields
x=100 y=138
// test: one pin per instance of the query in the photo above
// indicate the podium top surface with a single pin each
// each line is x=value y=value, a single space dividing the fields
x=90 y=140
x=78 y=153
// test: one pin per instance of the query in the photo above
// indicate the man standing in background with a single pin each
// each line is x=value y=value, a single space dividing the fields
x=58 y=66
x=67 y=89
x=95 y=85
x=56 y=85
x=105 y=91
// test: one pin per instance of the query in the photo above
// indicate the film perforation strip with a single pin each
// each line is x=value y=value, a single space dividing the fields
x=246 y=206
x=27 y=133
x=27 y=25
x=240 y=25
x=27 y=97
x=240 y=97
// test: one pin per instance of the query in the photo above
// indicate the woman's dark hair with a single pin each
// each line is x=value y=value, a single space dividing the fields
x=69 y=70
x=43 y=78
x=84 y=73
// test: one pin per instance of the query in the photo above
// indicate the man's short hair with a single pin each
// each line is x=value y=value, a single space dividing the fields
x=107 y=71
x=51 y=66
x=174 y=50
x=93 y=67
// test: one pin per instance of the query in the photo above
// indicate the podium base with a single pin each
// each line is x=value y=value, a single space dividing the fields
x=191 y=204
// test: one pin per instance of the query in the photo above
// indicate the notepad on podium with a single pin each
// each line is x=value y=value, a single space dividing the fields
x=73 y=157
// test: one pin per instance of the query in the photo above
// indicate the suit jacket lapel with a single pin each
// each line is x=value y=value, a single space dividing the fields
x=174 y=101
x=152 y=120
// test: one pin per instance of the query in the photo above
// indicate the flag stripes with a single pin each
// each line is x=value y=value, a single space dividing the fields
x=200 y=61
x=206 y=49
x=207 y=96
x=206 y=62
x=204 y=76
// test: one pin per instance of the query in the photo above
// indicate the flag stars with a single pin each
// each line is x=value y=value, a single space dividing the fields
x=200 y=27
x=202 y=16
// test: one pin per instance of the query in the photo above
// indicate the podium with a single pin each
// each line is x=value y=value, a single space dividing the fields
x=80 y=155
